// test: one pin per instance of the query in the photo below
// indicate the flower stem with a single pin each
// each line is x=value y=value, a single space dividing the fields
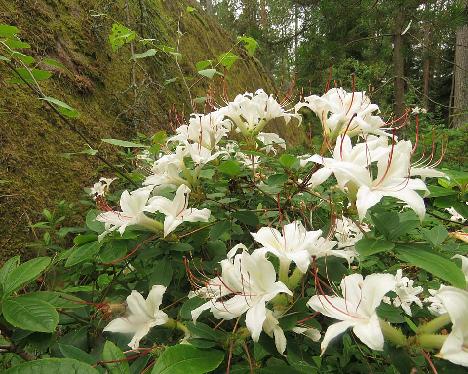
x=393 y=334
x=284 y=271
x=435 y=324
x=173 y=324
x=295 y=279
x=431 y=341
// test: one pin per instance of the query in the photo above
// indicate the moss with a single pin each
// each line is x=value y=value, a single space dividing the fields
x=96 y=81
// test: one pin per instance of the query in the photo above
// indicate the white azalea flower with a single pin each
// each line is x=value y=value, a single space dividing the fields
x=204 y=129
x=166 y=170
x=177 y=211
x=133 y=205
x=341 y=111
x=273 y=329
x=347 y=233
x=199 y=154
x=247 y=282
x=436 y=307
x=251 y=112
x=269 y=140
x=310 y=332
x=455 y=347
x=296 y=244
x=101 y=187
x=143 y=315
x=356 y=309
x=456 y=217
x=406 y=293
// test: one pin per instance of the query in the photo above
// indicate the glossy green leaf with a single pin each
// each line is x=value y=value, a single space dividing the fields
x=52 y=366
x=112 y=353
x=83 y=253
x=69 y=351
x=424 y=258
x=227 y=59
x=30 y=75
x=7 y=30
x=30 y=314
x=25 y=273
x=370 y=246
x=184 y=359
x=230 y=167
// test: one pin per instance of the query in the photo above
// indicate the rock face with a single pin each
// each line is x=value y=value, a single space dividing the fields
x=35 y=170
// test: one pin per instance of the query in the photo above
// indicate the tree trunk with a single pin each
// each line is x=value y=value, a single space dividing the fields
x=460 y=81
x=399 y=66
x=426 y=81
x=263 y=14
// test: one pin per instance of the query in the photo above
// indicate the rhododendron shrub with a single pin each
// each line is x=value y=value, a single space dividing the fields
x=231 y=251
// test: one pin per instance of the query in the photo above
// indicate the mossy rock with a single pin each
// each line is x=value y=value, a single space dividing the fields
x=98 y=82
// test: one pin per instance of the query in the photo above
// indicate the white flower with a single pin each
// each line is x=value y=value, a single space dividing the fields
x=292 y=245
x=199 y=154
x=456 y=217
x=310 y=332
x=356 y=309
x=269 y=139
x=166 y=170
x=417 y=110
x=101 y=188
x=143 y=315
x=406 y=293
x=436 y=308
x=455 y=347
x=247 y=282
x=296 y=244
x=206 y=130
x=251 y=161
x=133 y=205
x=273 y=329
x=352 y=169
x=464 y=265
x=177 y=211
x=341 y=111
x=347 y=233
x=251 y=112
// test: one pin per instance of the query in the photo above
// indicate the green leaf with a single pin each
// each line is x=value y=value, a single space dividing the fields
x=288 y=161
x=30 y=314
x=189 y=305
x=62 y=107
x=162 y=273
x=110 y=353
x=23 y=58
x=227 y=59
x=184 y=359
x=70 y=351
x=52 y=366
x=124 y=143
x=277 y=179
x=230 y=167
x=7 y=268
x=14 y=42
x=149 y=53
x=119 y=36
x=60 y=300
x=53 y=62
x=437 y=191
x=7 y=30
x=190 y=9
x=436 y=235
x=424 y=258
x=113 y=250
x=180 y=247
x=369 y=246
x=209 y=73
x=92 y=223
x=30 y=75
x=247 y=217
x=83 y=253
x=25 y=273
x=250 y=44
x=201 y=65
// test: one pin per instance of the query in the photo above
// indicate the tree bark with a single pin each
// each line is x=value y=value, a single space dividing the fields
x=460 y=81
x=263 y=14
x=399 y=65
x=426 y=81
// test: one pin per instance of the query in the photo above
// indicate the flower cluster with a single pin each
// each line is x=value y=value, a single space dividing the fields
x=260 y=282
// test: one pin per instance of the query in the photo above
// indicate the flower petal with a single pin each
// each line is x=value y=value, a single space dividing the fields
x=333 y=331
x=254 y=319
x=370 y=333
